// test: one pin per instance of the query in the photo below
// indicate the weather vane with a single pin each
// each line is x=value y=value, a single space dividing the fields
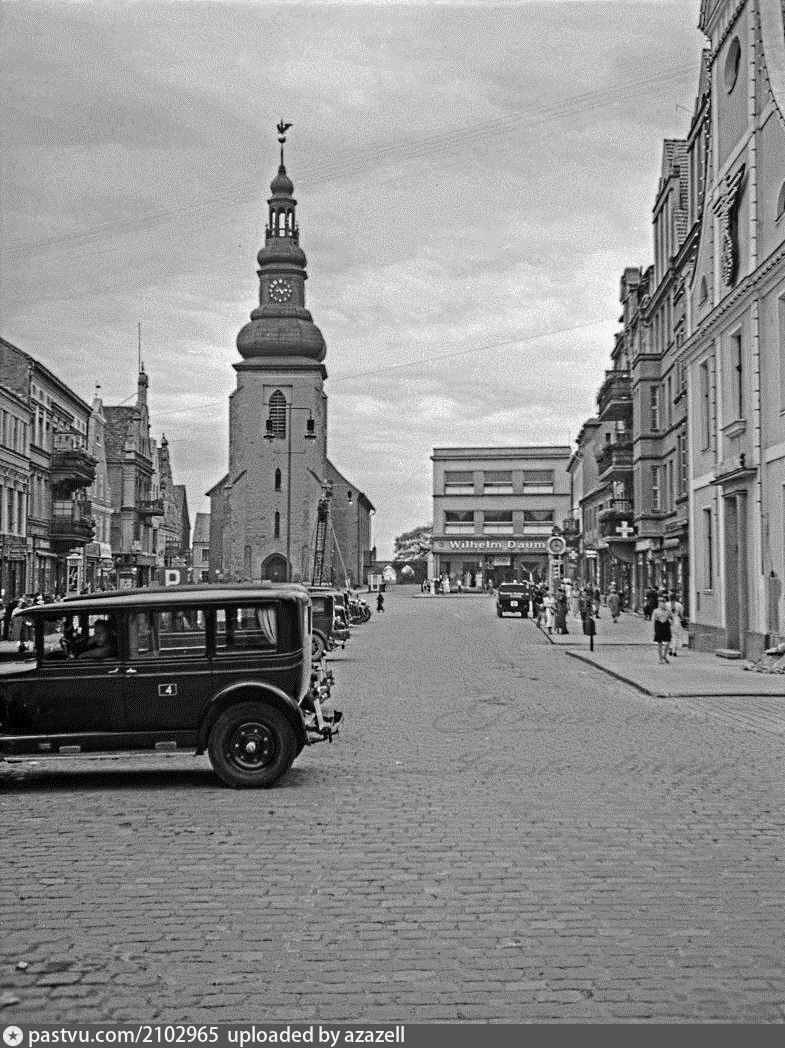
x=282 y=129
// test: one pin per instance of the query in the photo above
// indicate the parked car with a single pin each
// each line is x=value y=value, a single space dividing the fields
x=512 y=598
x=221 y=668
x=330 y=623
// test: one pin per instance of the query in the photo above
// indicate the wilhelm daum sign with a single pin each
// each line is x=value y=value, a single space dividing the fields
x=488 y=545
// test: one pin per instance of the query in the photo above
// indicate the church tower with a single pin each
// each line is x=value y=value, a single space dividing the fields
x=277 y=414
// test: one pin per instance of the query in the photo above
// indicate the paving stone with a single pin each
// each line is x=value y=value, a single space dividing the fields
x=539 y=841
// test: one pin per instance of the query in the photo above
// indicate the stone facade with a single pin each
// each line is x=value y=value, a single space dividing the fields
x=131 y=465
x=734 y=355
x=263 y=518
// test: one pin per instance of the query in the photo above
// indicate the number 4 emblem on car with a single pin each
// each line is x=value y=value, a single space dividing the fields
x=167 y=690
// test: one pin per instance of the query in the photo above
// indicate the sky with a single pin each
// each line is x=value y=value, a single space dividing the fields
x=472 y=179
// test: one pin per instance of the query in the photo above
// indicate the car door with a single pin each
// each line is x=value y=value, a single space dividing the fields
x=77 y=686
x=168 y=675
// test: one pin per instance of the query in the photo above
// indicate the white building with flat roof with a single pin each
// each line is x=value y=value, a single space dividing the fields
x=494 y=510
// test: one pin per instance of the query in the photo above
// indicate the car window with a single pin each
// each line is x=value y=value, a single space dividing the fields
x=251 y=628
x=319 y=605
x=167 y=632
x=72 y=635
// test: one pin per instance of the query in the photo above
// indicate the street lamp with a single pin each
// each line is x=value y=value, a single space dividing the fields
x=310 y=434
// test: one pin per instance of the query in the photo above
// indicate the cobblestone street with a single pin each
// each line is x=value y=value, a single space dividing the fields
x=501 y=833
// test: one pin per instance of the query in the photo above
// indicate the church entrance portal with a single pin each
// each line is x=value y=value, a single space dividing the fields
x=274 y=568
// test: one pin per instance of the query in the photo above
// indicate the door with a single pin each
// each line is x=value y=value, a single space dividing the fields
x=78 y=685
x=168 y=674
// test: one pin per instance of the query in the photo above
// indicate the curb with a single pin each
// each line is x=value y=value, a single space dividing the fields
x=668 y=694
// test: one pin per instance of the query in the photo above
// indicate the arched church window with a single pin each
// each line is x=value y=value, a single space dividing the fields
x=277 y=525
x=278 y=480
x=277 y=414
x=781 y=201
x=281 y=223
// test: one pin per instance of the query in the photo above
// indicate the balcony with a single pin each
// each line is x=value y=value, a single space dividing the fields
x=615 y=520
x=72 y=525
x=614 y=399
x=151 y=507
x=71 y=467
x=615 y=457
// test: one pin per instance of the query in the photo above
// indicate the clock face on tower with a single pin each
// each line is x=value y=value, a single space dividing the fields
x=280 y=290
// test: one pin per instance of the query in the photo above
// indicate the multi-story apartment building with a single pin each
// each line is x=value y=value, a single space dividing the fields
x=200 y=550
x=14 y=492
x=734 y=353
x=59 y=512
x=129 y=458
x=98 y=566
x=494 y=510
x=587 y=496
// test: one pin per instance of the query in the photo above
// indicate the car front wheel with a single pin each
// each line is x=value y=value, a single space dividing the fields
x=318 y=647
x=251 y=745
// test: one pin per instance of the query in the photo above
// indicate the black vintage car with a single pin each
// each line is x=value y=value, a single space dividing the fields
x=226 y=669
x=512 y=598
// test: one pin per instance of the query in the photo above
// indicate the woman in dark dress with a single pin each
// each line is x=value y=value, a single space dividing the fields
x=561 y=613
x=662 y=628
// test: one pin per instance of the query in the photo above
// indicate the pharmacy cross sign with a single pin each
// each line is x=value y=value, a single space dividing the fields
x=624 y=530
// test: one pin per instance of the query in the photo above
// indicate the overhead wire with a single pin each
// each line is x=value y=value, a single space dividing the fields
x=363 y=161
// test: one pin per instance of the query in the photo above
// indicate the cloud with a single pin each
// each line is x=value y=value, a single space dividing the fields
x=471 y=180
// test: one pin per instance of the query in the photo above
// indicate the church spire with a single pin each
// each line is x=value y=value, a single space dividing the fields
x=281 y=327
x=281 y=220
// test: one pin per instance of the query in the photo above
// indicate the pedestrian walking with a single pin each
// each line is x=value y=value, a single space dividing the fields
x=380 y=602
x=661 y=617
x=678 y=633
x=614 y=604
x=549 y=609
x=649 y=602
x=561 y=613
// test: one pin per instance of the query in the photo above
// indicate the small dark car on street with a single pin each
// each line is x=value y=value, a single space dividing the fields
x=217 y=668
x=512 y=598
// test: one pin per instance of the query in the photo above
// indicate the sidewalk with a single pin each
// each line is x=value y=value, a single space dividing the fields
x=625 y=650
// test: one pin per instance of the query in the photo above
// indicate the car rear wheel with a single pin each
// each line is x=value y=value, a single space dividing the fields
x=251 y=745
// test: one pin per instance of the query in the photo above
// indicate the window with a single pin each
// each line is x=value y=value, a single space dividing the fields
x=277 y=525
x=538 y=521
x=703 y=292
x=705 y=405
x=655 y=488
x=736 y=361
x=497 y=483
x=732 y=63
x=708 y=550
x=498 y=522
x=459 y=482
x=781 y=201
x=278 y=480
x=683 y=463
x=538 y=482
x=669 y=398
x=205 y=555
x=654 y=407
x=167 y=632
x=781 y=348
x=277 y=414
x=458 y=522
x=246 y=628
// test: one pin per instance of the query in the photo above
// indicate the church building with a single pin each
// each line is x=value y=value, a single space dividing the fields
x=283 y=511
